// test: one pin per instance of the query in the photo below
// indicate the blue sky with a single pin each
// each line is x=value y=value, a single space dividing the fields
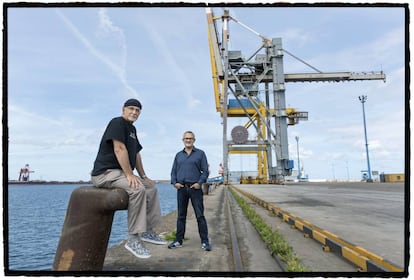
x=71 y=69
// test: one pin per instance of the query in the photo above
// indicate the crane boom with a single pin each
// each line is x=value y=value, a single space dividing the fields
x=314 y=77
x=334 y=77
x=215 y=58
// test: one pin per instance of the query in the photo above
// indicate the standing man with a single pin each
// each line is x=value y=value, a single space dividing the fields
x=118 y=156
x=189 y=172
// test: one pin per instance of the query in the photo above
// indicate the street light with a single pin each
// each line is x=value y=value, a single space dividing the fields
x=363 y=99
x=297 y=145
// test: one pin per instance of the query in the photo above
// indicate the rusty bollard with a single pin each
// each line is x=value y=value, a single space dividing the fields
x=87 y=228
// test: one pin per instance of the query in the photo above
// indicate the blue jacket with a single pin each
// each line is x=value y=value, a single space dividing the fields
x=192 y=168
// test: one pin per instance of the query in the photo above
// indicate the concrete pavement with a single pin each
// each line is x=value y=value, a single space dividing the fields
x=370 y=215
x=365 y=215
x=191 y=259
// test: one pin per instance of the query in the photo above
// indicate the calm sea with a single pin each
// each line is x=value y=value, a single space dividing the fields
x=36 y=216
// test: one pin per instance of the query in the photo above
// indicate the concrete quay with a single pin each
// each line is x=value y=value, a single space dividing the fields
x=190 y=259
x=370 y=215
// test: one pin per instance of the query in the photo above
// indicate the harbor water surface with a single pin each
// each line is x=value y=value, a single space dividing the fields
x=35 y=218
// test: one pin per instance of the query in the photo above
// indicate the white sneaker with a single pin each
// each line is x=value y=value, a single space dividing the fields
x=138 y=249
x=152 y=237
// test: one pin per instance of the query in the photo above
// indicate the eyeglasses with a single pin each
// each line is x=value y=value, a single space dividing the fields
x=134 y=108
x=188 y=139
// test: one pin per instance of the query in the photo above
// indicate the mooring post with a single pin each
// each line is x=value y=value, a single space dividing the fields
x=87 y=227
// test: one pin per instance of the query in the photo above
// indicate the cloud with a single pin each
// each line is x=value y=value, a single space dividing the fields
x=23 y=114
x=364 y=56
x=108 y=30
x=174 y=68
x=107 y=27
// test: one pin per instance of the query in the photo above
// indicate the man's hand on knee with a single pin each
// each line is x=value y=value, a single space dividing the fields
x=134 y=182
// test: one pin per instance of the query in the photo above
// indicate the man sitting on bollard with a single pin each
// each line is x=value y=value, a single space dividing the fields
x=118 y=156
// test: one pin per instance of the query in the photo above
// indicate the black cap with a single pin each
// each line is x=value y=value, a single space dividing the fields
x=133 y=102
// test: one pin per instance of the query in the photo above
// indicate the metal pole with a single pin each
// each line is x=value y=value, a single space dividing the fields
x=297 y=145
x=363 y=99
x=347 y=169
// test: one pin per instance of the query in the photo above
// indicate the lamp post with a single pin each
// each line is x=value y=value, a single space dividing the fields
x=347 y=169
x=363 y=99
x=297 y=145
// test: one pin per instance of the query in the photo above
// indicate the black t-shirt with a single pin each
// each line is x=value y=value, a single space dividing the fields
x=123 y=131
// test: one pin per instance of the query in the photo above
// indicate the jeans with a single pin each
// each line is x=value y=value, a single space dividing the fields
x=184 y=194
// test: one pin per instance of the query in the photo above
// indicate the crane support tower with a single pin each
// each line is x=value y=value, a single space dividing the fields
x=254 y=88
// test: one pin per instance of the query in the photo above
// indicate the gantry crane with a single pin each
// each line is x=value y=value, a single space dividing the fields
x=238 y=83
x=24 y=173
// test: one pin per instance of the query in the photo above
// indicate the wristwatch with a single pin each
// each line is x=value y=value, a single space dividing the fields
x=144 y=176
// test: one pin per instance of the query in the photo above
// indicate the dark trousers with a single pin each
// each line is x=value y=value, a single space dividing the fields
x=183 y=196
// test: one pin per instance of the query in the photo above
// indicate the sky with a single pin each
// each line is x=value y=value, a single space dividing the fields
x=70 y=69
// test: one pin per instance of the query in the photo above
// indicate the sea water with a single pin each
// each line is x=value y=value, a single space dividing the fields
x=35 y=216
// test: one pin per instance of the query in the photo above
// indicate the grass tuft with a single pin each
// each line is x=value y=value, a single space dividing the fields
x=273 y=239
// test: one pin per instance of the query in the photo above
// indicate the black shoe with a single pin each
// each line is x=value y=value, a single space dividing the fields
x=175 y=244
x=206 y=246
